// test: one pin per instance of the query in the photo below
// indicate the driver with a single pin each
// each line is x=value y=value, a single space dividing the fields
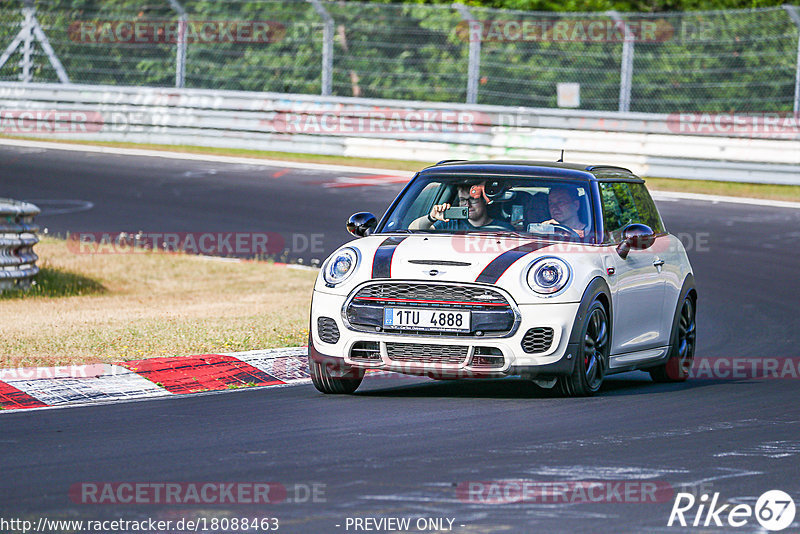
x=478 y=217
x=564 y=205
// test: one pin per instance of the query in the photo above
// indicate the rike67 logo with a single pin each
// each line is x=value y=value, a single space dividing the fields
x=774 y=510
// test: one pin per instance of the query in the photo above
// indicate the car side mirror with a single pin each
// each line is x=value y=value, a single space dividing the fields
x=635 y=236
x=361 y=224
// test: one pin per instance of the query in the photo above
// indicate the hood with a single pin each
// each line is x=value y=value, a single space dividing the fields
x=460 y=258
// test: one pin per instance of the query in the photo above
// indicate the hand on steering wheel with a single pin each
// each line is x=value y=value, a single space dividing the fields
x=564 y=228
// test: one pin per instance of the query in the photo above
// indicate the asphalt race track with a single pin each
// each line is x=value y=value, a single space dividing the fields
x=403 y=447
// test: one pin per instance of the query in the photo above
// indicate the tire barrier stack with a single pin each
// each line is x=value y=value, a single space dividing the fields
x=17 y=238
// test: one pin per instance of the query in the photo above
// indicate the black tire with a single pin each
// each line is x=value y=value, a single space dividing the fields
x=681 y=357
x=324 y=381
x=591 y=360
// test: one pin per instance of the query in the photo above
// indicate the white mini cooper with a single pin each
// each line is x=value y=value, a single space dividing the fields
x=555 y=272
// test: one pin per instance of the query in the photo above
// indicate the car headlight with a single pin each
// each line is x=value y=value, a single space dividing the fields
x=548 y=275
x=340 y=266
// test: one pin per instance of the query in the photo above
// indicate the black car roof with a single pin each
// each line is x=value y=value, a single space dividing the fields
x=544 y=169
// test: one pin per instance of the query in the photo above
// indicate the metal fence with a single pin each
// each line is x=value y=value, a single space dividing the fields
x=17 y=238
x=736 y=60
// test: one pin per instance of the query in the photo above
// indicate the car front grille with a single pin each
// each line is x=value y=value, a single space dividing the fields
x=432 y=295
x=537 y=340
x=492 y=313
x=419 y=353
x=327 y=330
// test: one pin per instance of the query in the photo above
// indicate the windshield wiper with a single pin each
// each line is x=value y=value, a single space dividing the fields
x=502 y=233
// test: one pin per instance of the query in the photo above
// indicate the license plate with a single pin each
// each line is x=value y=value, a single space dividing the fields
x=426 y=319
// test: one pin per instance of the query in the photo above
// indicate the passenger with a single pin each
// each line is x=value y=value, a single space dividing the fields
x=478 y=216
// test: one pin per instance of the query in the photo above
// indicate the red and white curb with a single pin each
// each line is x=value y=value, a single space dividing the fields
x=39 y=387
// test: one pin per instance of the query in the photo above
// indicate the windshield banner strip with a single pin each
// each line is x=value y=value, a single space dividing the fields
x=382 y=263
x=492 y=272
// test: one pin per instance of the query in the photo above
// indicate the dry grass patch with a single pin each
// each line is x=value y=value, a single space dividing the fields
x=112 y=307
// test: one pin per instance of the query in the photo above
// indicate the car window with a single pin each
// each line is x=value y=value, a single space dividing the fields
x=648 y=213
x=426 y=199
x=513 y=204
x=619 y=210
x=626 y=203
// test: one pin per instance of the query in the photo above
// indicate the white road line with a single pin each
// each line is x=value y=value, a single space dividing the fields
x=658 y=195
x=201 y=157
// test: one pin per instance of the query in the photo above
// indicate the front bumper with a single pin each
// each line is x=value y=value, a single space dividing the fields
x=557 y=360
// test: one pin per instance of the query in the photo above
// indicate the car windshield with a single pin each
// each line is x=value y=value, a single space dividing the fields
x=537 y=207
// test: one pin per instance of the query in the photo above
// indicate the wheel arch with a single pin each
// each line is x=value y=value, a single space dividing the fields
x=688 y=289
x=597 y=289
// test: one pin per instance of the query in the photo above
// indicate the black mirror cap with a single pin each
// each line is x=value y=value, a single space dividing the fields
x=636 y=236
x=361 y=224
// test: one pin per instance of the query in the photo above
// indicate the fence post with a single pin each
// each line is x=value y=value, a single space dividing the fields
x=27 y=45
x=327 y=46
x=795 y=16
x=626 y=67
x=475 y=38
x=180 y=50
x=30 y=29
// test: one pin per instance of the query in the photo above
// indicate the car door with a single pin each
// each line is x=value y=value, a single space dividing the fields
x=667 y=248
x=637 y=284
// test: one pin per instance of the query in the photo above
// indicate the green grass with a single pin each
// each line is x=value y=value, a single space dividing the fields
x=732 y=189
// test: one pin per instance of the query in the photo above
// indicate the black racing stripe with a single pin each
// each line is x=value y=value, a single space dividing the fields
x=492 y=272
x=382 y=264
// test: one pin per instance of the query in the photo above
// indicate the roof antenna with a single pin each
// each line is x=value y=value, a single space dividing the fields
x=561 y=160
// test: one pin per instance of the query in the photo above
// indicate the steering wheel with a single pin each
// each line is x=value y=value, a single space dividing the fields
x=567 y=230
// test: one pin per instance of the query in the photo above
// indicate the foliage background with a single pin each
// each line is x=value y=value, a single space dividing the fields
x=734 y=60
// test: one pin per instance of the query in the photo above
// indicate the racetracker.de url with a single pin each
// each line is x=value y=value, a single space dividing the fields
x=121 y=526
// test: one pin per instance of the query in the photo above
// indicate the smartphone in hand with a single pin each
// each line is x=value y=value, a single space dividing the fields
x=457 y=213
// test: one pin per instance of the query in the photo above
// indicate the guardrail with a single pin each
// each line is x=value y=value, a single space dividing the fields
x=747 y=148
x=17 y=238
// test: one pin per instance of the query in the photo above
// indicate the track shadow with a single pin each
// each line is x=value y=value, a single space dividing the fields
x=513 y=388
x=57 y=282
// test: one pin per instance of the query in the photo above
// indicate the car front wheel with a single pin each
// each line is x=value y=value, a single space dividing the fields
x=335 y=379
x=592 y=357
